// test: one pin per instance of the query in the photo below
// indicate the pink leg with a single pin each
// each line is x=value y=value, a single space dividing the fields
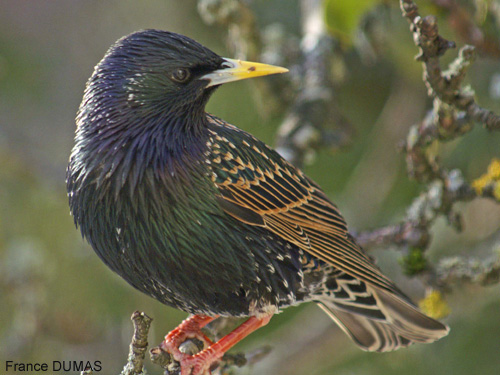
x=201 y=363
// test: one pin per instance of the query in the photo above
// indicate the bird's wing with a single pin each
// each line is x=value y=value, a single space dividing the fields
x=258 y=187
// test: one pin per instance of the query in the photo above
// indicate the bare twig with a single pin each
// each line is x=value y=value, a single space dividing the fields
x=462 y=21
x=445 y=86
x=457 y=270
x=438 y=199
x=406 y=233
x=454 y=110
x=139 y=344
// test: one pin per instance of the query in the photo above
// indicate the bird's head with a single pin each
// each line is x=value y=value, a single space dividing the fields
x=153 y=76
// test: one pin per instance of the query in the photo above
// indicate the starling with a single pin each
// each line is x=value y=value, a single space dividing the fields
x=204 y=217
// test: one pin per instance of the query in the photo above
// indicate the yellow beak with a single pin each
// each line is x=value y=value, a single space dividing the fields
x=235 y=70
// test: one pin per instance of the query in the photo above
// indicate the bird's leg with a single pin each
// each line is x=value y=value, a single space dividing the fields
x=189 y=328
x=204 y=361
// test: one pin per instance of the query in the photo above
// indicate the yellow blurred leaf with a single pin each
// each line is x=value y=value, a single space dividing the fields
x=490 y=177
x=496 y=191
x=434 y=305
x=494 y=169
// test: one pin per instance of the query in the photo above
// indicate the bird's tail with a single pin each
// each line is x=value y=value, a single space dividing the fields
x=386 y=322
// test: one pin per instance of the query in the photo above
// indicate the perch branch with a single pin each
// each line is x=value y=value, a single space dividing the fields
x=139 y=344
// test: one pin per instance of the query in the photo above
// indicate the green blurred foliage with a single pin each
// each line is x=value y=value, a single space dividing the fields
x=343 y=17
x=58 y=301
x=414 y=262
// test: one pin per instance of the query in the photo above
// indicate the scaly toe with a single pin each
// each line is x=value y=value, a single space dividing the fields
x=195 y=365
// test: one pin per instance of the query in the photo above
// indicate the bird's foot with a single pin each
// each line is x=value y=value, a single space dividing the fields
x=188 y=329
x=205 y=361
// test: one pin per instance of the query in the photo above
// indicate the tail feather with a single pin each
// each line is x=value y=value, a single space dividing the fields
x=370 y=335
x=402 y=323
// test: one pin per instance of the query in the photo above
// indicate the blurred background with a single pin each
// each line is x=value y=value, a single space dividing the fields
x=57 y=299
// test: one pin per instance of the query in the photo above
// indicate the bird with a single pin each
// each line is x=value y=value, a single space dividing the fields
x=204 y=217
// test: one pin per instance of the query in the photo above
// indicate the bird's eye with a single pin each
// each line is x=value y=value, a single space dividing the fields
x=180 y=75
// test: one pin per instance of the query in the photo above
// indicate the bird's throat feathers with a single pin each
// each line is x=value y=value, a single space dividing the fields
x=109 y=151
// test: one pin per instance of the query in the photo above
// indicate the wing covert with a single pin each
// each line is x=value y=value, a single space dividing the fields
x=261 y=188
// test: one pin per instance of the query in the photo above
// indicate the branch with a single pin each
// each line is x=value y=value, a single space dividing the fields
x=139 y=344
x=462 y=21
x=457 y=270
x=437 y=200
x=445 y=86
x=453 y=114
x=406 y=233
x=454 y=110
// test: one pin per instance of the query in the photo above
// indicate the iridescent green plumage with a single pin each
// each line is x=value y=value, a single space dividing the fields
x=203 y=216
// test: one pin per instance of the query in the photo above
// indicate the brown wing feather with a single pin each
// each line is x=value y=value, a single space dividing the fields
x=252 y=177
